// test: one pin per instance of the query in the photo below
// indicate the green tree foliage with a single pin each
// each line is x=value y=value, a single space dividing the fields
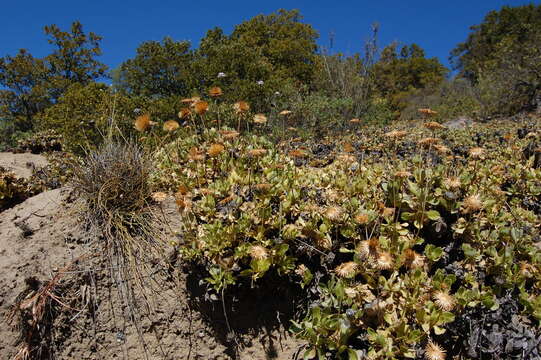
x=25 y=93
x=73 y=59
x=159 y=68
x=502 y=55
x=32 y=84
x=398 y=73
x=261 y=56
x=86 y=114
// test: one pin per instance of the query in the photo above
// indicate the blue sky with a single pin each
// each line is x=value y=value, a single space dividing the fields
x=435 y=25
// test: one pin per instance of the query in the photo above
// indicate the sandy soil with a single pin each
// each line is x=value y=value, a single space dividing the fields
x=22 y=164
x=42 y=235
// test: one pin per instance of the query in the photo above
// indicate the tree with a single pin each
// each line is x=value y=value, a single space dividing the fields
x=504 y=50
x=262 y=55
x=159 y=68
x=73 y=59
x=32 y=84
x=398 y=73
x=25 y=92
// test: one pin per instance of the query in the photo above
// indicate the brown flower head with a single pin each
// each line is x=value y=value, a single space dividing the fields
x=384 y=261
x=142 y=122
x=285 y=112
x=444 y=301
x=427 y=142
x=476 y=153
x=263 y=187
x=334 y=213
x=201 y=107
x=412 y=259
x=396 y=134
x=362 y=219
x=215 y=91
x=355 y=121
x=184 y=113
x=195 y=154
x=434 y=352
x=402 y=174
x=427 y=112
x=258 y=252
x=472 y=203
x=452 y=182
x=159 y=196
x=241 y=107
x=215 y=150
x=348 y=147
x=347 y=269
x=229 y=134
x=297 y=154
x=433 y=125
x=260 y=119
x=256 y=153
x=442 y=149
x=170 y=125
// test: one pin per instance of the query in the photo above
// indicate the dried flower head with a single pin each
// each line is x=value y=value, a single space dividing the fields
x=412 y=259
x=347 y=269
x=263 y=187
x=452 y=182
x=159 y=196
x=142 y=122
x=258 y=252
x=396 y=134
x=170 y=125
x=355 y=121
x=434 y=352
x=256 y=153
x=195 y=154
x=384 y=261
x=362 y=219
x=442 y=149
x=241 y=107
x=527 y=270
x=476 y=153
x=189 y=100
x=444 y=300
x=184 y=113
x=215 y=91
x=215 y=150
x=201 y=107
x=260 y=119
x=402 y=174
x=387 y=212
x=229 y=134
x=348 y=147
x=297 y=154
x=429 y=141
x=427 y=112
x=285 y=112
x=351 y=292
x=301 y=270
x=433 y=125
x=334 y=213
x=472 y=203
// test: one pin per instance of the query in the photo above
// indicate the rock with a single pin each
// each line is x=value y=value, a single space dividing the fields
x=459 y=123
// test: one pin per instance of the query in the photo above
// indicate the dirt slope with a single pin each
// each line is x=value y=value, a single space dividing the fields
x=21 y=164
x=42 y=235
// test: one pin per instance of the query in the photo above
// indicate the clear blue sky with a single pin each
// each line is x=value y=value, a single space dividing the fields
x=435 y=25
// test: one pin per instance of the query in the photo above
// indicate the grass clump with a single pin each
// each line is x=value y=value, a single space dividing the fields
x=113 y=184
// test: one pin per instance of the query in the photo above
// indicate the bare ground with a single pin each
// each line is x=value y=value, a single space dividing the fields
x=22 y=164
x=42 y=235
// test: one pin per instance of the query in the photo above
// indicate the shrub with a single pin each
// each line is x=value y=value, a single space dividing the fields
x=40 y=142
x=13 y=190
